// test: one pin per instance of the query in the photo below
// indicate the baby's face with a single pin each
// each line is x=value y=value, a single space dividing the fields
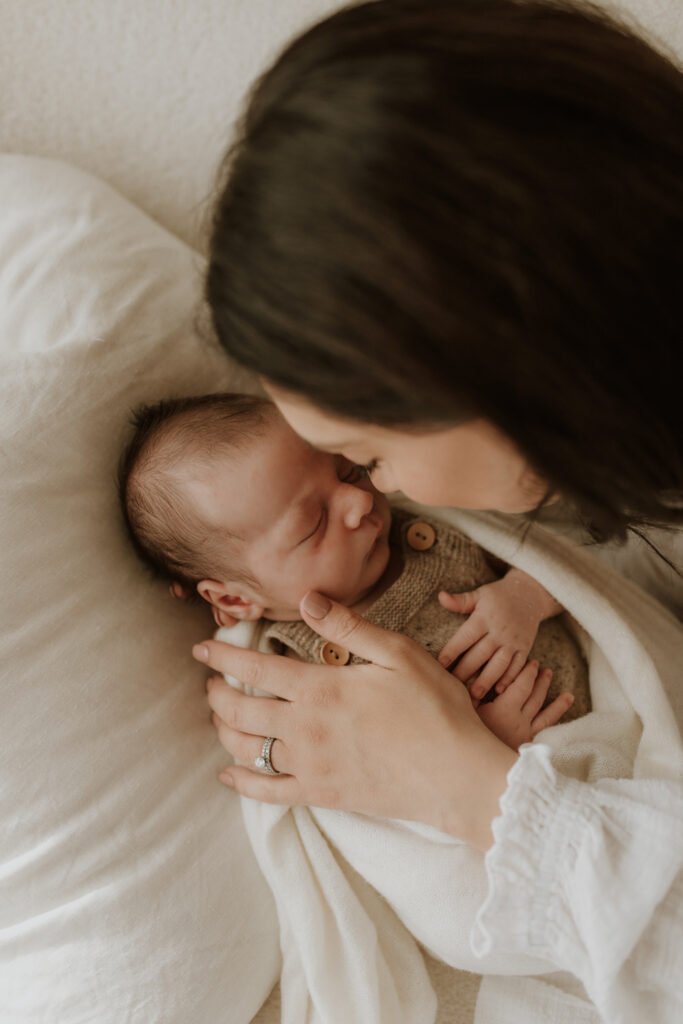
x=308 y=520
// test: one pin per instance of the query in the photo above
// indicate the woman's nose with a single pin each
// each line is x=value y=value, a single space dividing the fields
x=359 y=504
x=382 y=482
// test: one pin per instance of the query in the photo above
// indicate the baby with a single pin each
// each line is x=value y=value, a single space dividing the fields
x=220 y=496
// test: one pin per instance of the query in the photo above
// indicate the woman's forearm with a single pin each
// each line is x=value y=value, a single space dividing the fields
x=471 y=819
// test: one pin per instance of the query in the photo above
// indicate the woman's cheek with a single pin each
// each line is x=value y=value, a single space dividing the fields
x=425 y=489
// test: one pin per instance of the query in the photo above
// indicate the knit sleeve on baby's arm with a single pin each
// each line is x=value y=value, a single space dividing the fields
x=590 y=876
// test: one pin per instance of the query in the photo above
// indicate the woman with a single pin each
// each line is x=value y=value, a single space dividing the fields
x=448 y=242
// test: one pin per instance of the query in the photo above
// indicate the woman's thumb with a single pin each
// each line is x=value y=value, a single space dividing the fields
x=463 y=603
x=347 y=628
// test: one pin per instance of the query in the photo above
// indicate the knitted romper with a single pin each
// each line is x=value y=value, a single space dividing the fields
x=438 y=557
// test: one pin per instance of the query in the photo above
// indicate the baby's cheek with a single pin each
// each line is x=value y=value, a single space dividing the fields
x=341 y=578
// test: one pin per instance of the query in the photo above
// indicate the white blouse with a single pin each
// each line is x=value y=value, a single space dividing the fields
x=591 y=877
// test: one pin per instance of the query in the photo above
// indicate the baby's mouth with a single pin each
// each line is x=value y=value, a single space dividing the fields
x=376 y=521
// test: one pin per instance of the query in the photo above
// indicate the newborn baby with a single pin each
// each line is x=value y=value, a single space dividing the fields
x=222 y=497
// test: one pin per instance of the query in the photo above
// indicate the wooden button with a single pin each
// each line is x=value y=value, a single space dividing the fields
x=421 y=536
x=333 y=654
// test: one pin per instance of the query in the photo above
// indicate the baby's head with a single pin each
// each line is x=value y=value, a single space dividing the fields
x=220 y=494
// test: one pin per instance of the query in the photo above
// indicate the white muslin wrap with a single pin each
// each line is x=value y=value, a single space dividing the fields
x=354 y=893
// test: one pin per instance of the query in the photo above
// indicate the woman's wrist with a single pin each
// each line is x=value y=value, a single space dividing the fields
x=469 y=808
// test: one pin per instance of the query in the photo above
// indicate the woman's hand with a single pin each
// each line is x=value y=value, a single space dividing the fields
x=495 y=642
x=397 y=738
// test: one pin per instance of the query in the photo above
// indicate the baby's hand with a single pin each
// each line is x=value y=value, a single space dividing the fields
x=515 y=716
x=504 y=617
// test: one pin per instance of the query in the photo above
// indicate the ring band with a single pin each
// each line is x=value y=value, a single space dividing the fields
x=263 y=761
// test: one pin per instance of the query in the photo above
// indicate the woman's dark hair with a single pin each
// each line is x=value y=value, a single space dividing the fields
x=442 y=209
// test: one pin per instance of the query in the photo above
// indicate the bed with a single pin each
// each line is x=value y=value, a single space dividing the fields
x=128 y=887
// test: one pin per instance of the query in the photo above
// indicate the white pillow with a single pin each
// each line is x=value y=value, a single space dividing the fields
x=128 y=888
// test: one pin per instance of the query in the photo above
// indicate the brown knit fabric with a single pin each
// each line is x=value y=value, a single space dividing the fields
x=410 y=606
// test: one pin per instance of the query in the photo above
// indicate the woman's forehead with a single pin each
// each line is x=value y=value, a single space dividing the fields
x=319 y=427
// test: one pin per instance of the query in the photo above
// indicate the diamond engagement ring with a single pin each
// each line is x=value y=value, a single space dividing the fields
x=263 y=761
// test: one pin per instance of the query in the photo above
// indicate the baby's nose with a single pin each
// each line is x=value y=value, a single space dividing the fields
x=359 y=505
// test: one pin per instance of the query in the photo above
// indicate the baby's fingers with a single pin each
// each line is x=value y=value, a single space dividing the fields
x=464 y=603
x=491 y=672
x=469 y=634
x=512 y=671
x=473 y=660
x=552 y=714
x=521 y=689
x=539 y=692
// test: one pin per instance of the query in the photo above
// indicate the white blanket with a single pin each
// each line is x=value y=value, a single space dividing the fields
x=353 y=891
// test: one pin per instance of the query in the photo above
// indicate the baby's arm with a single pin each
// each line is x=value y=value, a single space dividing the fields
x=494 y=644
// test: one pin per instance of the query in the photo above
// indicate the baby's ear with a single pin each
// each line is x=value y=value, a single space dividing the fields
x=228 y=605
x=241 y=608
x=222 y=618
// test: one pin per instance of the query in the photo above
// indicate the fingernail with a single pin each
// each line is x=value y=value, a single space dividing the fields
x=315 y=605
x=200 y=652
x=570 y=698
x=227 y=779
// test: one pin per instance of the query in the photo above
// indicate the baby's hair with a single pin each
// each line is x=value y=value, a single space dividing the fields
x=171 y=438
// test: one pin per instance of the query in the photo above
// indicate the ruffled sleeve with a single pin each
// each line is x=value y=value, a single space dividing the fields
x=590 y=876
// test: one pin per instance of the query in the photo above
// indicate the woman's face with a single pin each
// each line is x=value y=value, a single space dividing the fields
x=472 y=465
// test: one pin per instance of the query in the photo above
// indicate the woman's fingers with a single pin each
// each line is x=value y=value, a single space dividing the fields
x=269 y=789
x=269 y=672
x=351 y=631
x=553 y=713
x=491 y=672
x=258 y=716
x=246 y=748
